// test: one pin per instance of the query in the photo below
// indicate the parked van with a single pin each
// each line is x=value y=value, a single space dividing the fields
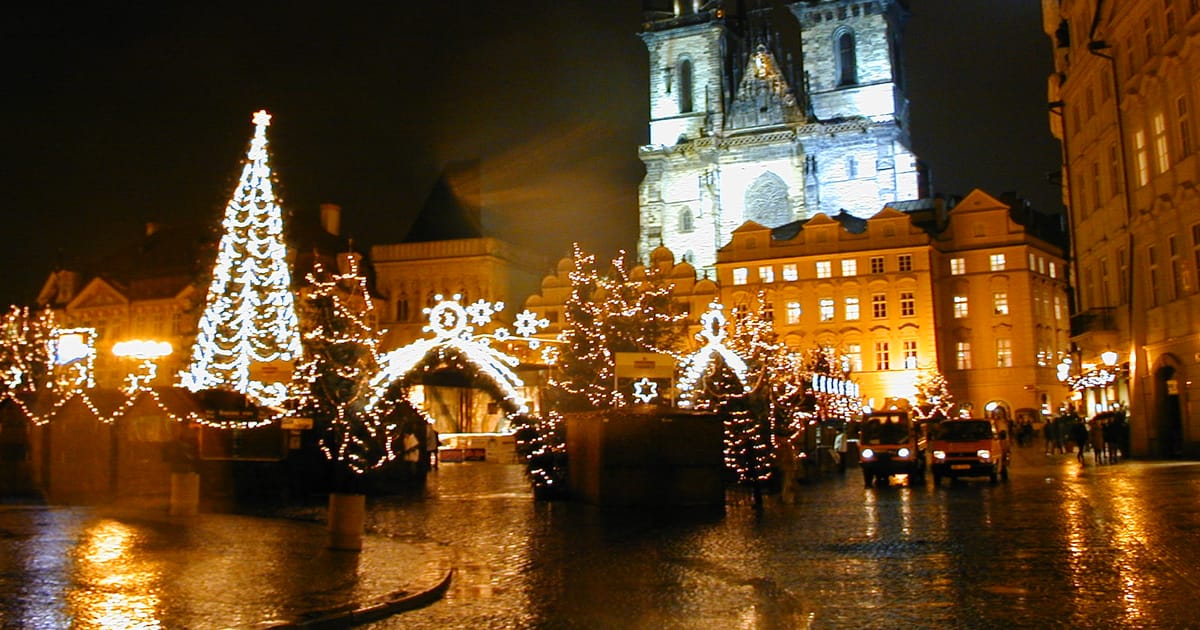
x=890 y=443
x=968 y=448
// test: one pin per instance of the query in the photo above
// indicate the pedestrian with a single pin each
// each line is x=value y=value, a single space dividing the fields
x=1050 y=435
x=432 y=442
x=1079 y=435
x=1096 y=435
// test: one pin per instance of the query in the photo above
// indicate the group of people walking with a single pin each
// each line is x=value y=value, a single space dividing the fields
x=1106 y=435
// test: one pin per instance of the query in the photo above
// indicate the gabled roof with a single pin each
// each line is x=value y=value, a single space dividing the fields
x=764 y=97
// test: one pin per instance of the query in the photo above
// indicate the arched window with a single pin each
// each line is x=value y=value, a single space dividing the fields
x=847 y=60
x=767 y=201
x=685 y=220
x=685 y=86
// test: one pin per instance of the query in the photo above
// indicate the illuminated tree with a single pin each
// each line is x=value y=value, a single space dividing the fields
x=933 y=396
x=332 y=383
x=603 y=315
x=26 y=350
x=249 y=317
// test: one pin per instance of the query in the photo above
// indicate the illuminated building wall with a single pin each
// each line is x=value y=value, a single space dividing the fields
x=734 y=137
x=1123 y=102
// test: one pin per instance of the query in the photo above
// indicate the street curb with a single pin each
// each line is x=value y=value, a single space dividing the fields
x=356 y=613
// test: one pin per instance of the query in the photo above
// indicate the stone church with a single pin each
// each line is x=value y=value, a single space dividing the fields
x=750 y=125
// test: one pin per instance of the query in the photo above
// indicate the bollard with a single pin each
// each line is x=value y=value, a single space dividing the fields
x=185 y=494
x=347 y=520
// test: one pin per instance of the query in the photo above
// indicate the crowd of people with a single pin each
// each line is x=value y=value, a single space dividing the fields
x=1105 y=435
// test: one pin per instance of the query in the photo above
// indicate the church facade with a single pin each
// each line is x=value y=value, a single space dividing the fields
x=744 y=129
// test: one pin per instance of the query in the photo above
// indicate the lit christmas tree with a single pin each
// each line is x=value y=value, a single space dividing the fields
x=27 y=345
x=934 y=400
x=606 y=314
x=333 y=381
x=249 y=318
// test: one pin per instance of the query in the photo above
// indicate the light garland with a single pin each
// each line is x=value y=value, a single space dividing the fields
x=695 y=366
x=250 y=316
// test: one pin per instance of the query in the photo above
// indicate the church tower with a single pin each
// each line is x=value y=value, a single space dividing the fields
x=745 y=126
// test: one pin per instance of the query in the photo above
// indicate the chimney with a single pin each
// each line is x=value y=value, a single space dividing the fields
x=331 y=218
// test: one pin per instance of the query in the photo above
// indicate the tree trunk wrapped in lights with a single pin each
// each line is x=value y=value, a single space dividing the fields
x=249 y=316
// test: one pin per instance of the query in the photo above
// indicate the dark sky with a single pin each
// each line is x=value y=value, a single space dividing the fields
x=119 y=115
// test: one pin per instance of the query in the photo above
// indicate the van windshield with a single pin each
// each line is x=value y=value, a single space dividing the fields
x=965 y=430
x=884 y=433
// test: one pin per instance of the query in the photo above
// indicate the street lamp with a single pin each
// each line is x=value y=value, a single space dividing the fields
x=1109 y=357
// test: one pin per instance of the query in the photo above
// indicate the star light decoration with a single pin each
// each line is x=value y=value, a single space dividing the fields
x=712 y=333
x=453 y=328
x=645 y=390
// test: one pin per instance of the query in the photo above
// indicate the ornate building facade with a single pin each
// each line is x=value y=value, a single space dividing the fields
x=1123 y=98
x=744 y=129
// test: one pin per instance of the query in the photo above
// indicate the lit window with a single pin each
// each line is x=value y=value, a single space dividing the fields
x=882 y=356
x=854 y=356
x=766 y=274
x=904 y=262
x=1003 y=353
x=1053 y=269
x=1162 y=153
x=877 y=264
x=1041 y=265
x=793 y=312
x=789 y=272
x=851 y=308
x=908 y=304
x=960 y=306
x=1142 y=157
x=1000 y=303
x=740 y=275
x=958 y=266
x=962 y=355
x=910 y=354
x=997 y=262
x=879 y=305
x=824 y=269
x=849 y=267
x=826 y=309
x=1058 y=307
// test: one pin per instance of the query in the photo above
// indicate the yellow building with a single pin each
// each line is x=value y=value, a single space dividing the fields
x=968 y=290
x=1122 y=103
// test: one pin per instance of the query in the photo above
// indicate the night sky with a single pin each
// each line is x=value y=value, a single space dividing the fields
x=118 y=116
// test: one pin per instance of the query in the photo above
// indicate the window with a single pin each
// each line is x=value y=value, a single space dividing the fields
x=1041 y=265
x=1176 y=269
x=740 y=275
x=962 y=355
x=824 y=269
x=766 y=274
x=854 y=356
x=1162 y=152
x=1122 y=274
x=768 y=311
x=1185 y=127
x=1032 y=262
x=882 y=359
x=1195 y=252
x=847 y=62
x=908 y=304
x=960 y=306
x=685 y=86
x=789 y=272
x=1058 y=307
x=1104 y=282
x=849 y=267
x=685 y=220
x=826 y=309
x=958 y=266
x=851 y=167
x=879 y=305
x=1003 y=353
x=1116 y=186
x=905 y=262
x=997 y=262
x=1097 y=196
x=910 y=354
x=793 y=312
x=852 y=308
x=877 y=264
x=1053 y=269
x=1141 y=157
x=1000 y=302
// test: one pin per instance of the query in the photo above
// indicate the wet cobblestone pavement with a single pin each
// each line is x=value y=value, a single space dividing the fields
x=1058 y=546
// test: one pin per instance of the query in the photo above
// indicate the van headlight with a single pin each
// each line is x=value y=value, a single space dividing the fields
x=983 y=453
x=867 y=453
x=939 y=454
x=904 y=452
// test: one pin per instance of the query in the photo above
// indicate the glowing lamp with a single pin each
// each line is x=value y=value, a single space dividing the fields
x=1109 y=357
x=141 y=349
